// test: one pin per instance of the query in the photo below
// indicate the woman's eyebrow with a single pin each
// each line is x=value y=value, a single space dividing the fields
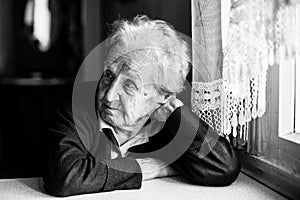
x=111 y=69
x=133 y=74
x=130 y=70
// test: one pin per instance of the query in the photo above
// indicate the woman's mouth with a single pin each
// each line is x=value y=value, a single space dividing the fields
x=106 y=110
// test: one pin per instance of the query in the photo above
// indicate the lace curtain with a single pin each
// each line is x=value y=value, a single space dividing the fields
x=207 y=87
x=253 y=35
x=246 y=60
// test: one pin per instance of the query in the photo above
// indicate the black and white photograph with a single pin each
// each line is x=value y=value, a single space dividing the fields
x=150 y=99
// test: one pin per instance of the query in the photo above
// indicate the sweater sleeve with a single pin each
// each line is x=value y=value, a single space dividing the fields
x=210 y=159
x=71 y=169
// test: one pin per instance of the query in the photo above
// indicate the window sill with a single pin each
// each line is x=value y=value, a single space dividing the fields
x=270 y=175
x=293 y=137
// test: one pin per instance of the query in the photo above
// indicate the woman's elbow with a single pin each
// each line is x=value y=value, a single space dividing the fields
x=218 y=174
x=231 y=173
x=232 y=169
x=58 y=182
x=59 y=188
x=220 y=177
x=228 y=164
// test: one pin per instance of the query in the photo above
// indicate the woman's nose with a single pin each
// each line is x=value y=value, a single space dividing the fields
x=112 y=93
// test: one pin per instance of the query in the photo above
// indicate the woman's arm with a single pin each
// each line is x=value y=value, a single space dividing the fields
x=71 y=169
x=190 y=148
x=210 y=159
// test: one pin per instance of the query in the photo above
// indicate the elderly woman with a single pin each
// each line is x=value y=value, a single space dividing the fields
x=117 y=142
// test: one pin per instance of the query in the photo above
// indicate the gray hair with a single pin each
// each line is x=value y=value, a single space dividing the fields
x=152 y=43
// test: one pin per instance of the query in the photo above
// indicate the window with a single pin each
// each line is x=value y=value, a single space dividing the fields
x=289 y=91
x=274 y=157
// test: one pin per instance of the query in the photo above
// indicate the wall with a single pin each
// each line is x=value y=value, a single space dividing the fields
x=6 y=40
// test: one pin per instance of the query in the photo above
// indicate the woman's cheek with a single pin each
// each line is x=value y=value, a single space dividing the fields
x=102 y=91
x=139 y=109
x=130 y=113
x=101 y=95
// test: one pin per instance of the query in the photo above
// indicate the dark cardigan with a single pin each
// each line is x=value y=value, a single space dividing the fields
x=72 y=167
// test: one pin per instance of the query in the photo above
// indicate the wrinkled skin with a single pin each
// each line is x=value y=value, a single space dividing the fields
x=127 y=97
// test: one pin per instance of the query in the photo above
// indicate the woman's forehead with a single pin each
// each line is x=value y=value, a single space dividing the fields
x=133 y=68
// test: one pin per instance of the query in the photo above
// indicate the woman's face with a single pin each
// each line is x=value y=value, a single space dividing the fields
x=126 y=96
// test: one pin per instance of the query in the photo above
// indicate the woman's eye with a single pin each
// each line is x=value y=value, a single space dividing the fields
x=108 y=76
x=129 y=87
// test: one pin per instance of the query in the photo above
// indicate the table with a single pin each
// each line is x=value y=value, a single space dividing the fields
x=164 y=188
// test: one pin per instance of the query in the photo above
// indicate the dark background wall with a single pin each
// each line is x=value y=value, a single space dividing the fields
x=31 y=82
x=176 y=12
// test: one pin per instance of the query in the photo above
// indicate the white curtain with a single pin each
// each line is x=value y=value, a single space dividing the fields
x=207 y=87
x=230 y=91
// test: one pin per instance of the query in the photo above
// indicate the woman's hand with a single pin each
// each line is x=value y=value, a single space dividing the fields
x=153 y=168
x=165 y=110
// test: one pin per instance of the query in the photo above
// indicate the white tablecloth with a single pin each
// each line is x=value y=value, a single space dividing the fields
x=165 y=188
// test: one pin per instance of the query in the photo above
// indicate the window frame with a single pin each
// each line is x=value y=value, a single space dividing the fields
x=275 y=172
x=275 y=167
x=289 y=92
